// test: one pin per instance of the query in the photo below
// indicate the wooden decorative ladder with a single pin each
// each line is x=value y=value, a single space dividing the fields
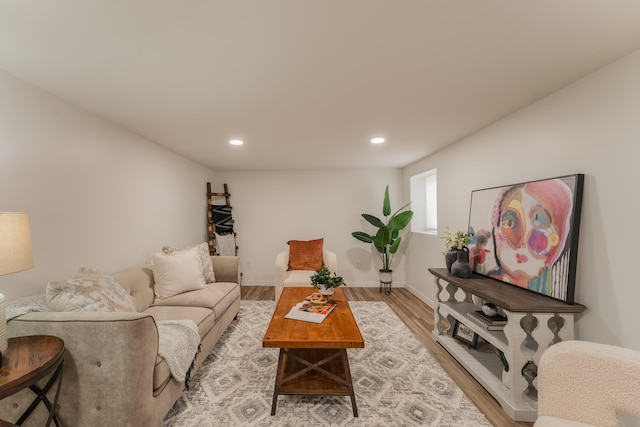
x=211 y=226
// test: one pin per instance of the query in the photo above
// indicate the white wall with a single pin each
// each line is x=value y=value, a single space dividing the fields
x=590 y=127
x=270 y=208
x=96 y=195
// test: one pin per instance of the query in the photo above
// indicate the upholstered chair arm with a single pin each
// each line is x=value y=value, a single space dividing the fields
x=588 y=383
x=282 y=263
x=330 y=259
x=226 y=268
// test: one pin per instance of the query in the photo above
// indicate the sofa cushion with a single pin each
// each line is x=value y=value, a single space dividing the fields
x=216 y=296
x=205 y=259
x=178 y=272
x=305 y=255
x=204 y=318
x=298 y=278
x=89 y=290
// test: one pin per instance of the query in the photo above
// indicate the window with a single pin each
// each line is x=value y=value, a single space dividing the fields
x=424 y=194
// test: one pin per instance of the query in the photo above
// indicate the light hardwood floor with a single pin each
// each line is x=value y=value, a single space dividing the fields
x=418 y=317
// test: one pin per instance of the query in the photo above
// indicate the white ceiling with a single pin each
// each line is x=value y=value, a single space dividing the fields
x=307 y=83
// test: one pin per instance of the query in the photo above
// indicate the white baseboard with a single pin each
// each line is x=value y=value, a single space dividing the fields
x=350 y=284
x=422 y=297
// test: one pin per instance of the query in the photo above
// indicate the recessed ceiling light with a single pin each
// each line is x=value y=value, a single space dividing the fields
x=236 y=142
x=377 y=140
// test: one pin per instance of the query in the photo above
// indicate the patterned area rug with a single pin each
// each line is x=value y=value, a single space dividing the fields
x=397 y=382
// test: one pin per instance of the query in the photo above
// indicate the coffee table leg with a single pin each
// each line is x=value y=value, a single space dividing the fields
x=347 y=371
x=276 y=389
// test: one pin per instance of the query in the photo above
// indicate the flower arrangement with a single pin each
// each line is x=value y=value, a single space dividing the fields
x=455 y=240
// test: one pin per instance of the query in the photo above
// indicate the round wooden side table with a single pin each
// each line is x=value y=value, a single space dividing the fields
x=28 y=360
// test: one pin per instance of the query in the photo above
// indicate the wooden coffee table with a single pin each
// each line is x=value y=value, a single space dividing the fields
x=313 y=356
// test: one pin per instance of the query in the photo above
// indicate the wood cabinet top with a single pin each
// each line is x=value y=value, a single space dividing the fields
x=508 y=297
x=338 y=330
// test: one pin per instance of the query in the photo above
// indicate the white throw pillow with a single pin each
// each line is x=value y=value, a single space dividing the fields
x=205 y=258
x=89 y=290
x=177 y=272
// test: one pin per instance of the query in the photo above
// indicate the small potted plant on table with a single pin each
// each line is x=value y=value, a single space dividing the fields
x=325 y=281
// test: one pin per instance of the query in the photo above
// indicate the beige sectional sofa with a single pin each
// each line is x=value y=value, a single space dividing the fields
x=112 y=374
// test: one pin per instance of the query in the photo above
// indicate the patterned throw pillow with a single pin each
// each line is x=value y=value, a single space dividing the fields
x=205 y=259
x=89 y=290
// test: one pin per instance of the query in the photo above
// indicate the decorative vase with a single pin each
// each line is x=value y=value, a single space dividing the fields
x=461 y=267
x=324 y=290
x=386 y=277
x=450 y=258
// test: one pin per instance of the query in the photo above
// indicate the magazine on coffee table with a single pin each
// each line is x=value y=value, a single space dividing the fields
x=310 y=312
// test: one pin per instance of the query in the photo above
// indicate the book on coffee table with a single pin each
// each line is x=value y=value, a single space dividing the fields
x=310 y=312
x=491 y=323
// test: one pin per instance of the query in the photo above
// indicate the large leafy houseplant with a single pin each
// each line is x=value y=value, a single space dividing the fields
x=386 y=240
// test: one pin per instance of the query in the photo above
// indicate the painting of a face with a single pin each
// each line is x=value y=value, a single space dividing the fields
x=524 y=234
x=531 y=232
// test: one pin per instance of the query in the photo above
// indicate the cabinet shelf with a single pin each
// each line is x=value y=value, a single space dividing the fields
x=459 y=310
x=534 y=322
x=486 y=368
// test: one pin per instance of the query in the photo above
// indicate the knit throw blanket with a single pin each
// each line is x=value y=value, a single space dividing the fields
x=179 y=344
x=178 y=340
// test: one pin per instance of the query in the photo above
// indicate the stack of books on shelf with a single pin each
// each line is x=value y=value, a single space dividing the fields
x=490 y=323
x=310 y=312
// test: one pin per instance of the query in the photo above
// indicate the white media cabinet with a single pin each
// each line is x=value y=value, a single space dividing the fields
x=534 y=322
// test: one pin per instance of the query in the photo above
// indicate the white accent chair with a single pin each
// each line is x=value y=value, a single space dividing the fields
x=286 y=277
x=586 y=384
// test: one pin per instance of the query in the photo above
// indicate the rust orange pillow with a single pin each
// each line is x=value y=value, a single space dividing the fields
x=305 y=255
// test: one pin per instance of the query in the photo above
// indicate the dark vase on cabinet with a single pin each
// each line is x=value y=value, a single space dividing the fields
x=461 y=267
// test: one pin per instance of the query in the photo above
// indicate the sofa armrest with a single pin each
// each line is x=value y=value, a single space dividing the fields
x=109 y=357
x=226 y=268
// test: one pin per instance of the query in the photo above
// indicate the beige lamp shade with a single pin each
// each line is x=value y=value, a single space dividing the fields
x=15 y=243
x=15 y=255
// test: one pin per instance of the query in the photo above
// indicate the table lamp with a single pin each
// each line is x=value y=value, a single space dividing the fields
x=15 y=255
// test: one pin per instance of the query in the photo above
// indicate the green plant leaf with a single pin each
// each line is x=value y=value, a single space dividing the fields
x=363 y=237
x=383 y=237
x=394 y=246
x=386 y=206
x=373 y=220
x=396 y=212
x=401 y=220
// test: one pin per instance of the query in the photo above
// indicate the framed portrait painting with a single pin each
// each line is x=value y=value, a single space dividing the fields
x=527 y=234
